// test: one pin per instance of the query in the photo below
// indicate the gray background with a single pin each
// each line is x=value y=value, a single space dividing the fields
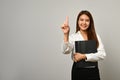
x=30 y=37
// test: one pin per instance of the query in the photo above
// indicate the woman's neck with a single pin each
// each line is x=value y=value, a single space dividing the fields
x=84 y=34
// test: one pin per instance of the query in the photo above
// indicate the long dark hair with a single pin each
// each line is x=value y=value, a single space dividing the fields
x=91 y=34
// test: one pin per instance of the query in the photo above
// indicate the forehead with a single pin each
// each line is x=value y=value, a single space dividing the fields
x=84 y=16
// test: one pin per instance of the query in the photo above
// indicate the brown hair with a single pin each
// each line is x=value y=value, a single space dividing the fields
x=91 y=34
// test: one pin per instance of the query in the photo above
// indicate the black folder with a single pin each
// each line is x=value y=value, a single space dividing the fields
x=86 y=46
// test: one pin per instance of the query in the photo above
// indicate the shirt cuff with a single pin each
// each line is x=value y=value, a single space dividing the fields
x=89 y=57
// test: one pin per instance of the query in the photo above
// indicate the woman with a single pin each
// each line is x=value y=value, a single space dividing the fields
x=84 y=31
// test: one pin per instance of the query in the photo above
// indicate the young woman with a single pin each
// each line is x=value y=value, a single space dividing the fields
x=85 y=30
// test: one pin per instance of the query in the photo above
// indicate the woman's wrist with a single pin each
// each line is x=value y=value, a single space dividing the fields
x=84 y=57
x=66 y=37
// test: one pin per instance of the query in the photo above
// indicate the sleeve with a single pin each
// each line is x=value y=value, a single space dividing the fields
x=67 y=47
x=100 y=55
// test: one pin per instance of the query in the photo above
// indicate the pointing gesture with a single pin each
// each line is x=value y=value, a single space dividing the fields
x=66 y=21
x=65 y=27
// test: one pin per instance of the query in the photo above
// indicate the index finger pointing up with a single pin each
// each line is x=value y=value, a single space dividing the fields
x=67 y=20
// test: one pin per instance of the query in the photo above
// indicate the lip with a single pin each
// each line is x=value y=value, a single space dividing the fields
x=83 y=26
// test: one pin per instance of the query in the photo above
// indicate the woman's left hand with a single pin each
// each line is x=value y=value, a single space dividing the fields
x=78 y=56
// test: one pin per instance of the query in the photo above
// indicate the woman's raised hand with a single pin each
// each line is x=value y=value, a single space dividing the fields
x=65 y=27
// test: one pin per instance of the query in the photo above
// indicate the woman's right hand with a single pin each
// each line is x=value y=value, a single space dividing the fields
x=65 y=27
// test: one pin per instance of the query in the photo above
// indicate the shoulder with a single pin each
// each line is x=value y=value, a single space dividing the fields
x=97 y=35
x=99 y=38
x=74 y=35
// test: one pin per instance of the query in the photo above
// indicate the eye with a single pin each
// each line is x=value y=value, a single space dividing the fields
x=81 y=19
x=87 y=20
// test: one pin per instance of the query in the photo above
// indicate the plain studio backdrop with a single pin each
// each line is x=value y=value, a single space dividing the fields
x=31 y=37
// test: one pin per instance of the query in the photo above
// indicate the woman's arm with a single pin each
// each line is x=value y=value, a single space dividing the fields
x=100 y=55
x=67 y=46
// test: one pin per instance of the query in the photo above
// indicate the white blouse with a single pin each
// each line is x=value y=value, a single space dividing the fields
x=69 y=47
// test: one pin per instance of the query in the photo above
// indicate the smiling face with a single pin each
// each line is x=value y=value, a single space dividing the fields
x=84 y=22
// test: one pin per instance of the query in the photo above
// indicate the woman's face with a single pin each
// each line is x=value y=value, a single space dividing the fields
x=84 y=22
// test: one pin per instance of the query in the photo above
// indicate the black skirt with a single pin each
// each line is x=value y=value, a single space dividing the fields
x=85 y=73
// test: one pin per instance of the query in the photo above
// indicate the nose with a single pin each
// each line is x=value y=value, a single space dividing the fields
x=84 y=22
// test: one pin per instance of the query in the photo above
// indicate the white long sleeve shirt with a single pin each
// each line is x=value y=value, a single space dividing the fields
x=69 y=47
